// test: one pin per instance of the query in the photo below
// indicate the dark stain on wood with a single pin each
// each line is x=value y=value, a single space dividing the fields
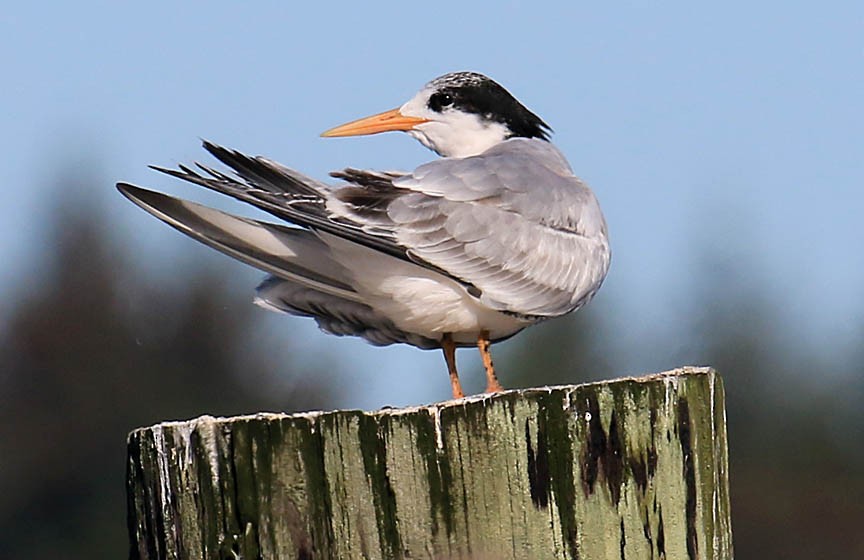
x=602 y=454
x=318 y=504
x=646 y=531
x=552 y=423
x=613 y=460
x=622 y=540
x=685 y=436
x=439 y=474
x=141 y=501
x=594 y=446
x=639 y=468
x=538 y=468
x=374 y=451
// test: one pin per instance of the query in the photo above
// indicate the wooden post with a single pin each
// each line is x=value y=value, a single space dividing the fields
x=633 y=468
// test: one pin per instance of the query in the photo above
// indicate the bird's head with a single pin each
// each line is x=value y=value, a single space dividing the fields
x=456 y=115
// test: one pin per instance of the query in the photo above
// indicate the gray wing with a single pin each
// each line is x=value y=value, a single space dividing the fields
x=513 y=225
x=284 y=193
x=512 y=222
x=351 y=212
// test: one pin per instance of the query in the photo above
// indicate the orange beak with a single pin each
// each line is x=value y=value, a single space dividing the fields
x=382 y=122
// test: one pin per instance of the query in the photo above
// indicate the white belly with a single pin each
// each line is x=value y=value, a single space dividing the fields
x=419 y=300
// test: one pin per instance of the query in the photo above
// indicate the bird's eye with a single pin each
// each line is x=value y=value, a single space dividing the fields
x=440 y=100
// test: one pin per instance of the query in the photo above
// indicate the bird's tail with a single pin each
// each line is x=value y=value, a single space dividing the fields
x=292 y=254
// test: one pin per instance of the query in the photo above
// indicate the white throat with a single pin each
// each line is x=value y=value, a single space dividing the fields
x=453 y=133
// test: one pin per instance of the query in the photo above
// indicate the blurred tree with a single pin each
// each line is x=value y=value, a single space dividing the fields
x=90 y=352
x=796 y=493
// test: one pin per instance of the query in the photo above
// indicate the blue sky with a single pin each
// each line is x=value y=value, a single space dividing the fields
x=737 y=129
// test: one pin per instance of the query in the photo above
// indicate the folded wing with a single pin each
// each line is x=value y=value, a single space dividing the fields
x=512 y=225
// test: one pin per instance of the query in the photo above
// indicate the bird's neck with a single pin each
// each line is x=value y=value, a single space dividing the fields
x=469 y=137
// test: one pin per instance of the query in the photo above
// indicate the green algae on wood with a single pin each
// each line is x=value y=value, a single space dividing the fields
x=629 y=468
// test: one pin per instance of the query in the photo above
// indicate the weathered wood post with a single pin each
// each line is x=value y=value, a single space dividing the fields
x=632 y=468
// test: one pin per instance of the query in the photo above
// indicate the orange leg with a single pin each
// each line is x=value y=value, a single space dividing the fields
x=449 y=348
x=492 y=385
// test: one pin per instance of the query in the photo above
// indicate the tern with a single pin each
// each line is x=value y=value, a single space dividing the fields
x=467 y=250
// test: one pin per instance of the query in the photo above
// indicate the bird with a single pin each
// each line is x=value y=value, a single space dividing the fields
x=468 y=249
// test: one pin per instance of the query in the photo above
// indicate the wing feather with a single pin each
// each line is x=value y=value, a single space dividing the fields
x=519 y=226
x=513 y=225
x=284 y=193
x=513 y=222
